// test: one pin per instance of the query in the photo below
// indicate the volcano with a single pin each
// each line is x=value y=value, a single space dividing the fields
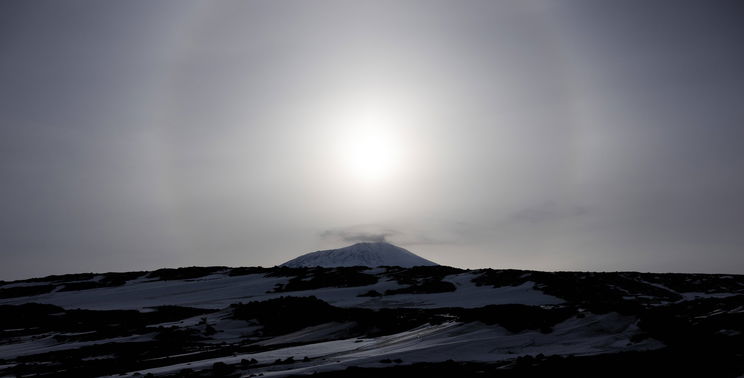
x=360 y=254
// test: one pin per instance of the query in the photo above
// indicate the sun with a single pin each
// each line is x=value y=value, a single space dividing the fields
x=371 y=156
x=370 y=146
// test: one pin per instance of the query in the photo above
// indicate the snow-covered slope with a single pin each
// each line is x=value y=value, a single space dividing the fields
x=220 y=290
x=590 y=335
x=276 y=322
x=360 y=254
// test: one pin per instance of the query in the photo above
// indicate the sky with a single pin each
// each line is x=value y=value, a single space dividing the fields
x=528 y=134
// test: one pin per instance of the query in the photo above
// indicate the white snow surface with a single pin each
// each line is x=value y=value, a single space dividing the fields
x=28 y=345
x=220 y=290
x=474 y=341
x=360 y=254
x=329 y=346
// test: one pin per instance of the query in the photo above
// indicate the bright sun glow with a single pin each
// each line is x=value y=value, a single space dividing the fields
x=370 y=146
x=371 y=156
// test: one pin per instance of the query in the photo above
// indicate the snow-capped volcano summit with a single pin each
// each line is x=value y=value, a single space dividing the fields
x=364 y=254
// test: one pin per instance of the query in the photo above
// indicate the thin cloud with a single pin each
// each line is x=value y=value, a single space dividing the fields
x=357 y=236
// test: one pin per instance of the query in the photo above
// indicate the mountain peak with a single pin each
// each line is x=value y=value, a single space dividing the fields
x=364 y=254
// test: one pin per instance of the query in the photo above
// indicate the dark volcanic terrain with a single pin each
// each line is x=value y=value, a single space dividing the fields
x=370 y=322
